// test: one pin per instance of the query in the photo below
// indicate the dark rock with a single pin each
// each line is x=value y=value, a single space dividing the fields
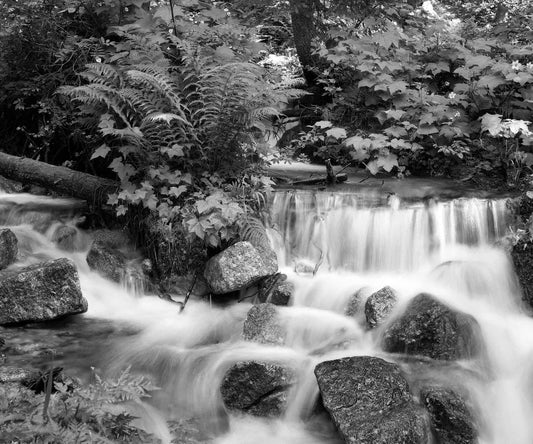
x=37 y=382
x=522 y=257
x=451 y=417
x=276 y=290
x=357 y=301
x=430 y=328
x=379 y=306
x=108 y=262
x=235 y=268
x=263 y=325
x=8 y=248
x=370 y=403
x=112 y=239
x=257 y=388
x=40 y=292
x=10 y=186
x=65 y=237
x=281 y=295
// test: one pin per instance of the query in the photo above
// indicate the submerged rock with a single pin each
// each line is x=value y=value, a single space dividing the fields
x=257 y=388
x=430 y=328
x=379 y=306
x=8 y=248
x=40 y=292
x=263 y=325
x=370 y=403
x=451 y=418
x=108 y=262
x=356 y=303
x=65 y=237
x=235 y=268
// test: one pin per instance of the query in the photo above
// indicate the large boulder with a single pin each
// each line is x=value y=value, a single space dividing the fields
x=257 y=388
x=108 y=262
x=370 y=403
x=8 y=248
x=451 y=417
x=40 y=292
x=263 y=325
x=235 y=268
x=430 y=328
x=379 y=306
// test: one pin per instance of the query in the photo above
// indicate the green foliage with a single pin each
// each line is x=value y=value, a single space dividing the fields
x=403 y=92
x=182 y=121
x=96 y=413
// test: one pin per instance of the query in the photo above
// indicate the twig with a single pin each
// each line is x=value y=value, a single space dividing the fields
x=173 y=18
x=189 y=291
x=49 y=383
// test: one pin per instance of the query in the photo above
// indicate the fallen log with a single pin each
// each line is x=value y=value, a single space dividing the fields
x=95 y=190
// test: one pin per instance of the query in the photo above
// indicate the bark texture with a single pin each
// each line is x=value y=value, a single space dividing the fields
x=95 y=190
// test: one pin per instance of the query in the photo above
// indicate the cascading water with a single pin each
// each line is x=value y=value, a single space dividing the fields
x=349 y=242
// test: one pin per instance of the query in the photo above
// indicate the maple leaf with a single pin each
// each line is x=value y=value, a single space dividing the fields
x=387 y=162
x=490 y=82
x=424 y=130
x=177 y=191
x=373 y=167
x=397 y=86
x=396 y=131
x=338 y=133
x=174 y=151
x=323 y=124
x=101 y=151
x=395 y=114
x=491 y=123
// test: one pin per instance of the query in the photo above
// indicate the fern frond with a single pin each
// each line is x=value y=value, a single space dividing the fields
x=97 y=94
x=252 y=229
x=103 y=74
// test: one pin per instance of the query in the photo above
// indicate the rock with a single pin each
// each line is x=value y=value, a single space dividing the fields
x=356 y=302
x=263 y=325
x=8 y=248
x=257 y=388
x=15 y=374
x=65 y=237
x=522 y=257
x=269 y=257
x=108 y=262
x=40 y=292
x=276 y=290
x=379 y=306
x=235 y=268
x=10 y=186
x=113 y=239
x=430 y=328
x=281 y=295
x=370 y=403
x=451 y=417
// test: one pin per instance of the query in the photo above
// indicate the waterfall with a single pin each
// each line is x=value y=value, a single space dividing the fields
x=370 y=232
x=331 y=245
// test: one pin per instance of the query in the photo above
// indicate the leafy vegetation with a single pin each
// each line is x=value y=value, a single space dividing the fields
x=177 y=99
x=96 y=413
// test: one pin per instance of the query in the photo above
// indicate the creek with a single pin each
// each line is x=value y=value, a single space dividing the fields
x=330 y=245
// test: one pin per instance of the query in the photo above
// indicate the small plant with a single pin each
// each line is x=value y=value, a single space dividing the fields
x=95 y=413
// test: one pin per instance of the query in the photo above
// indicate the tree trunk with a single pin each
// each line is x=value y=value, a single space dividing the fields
x=304 y=31
x=95 y=190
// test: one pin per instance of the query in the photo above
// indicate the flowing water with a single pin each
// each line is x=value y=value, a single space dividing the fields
x=330 y=245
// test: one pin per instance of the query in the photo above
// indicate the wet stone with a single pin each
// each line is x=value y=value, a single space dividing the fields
x=263 y=325
x=379 y=306
x=257 y=388
x=430 y=328
x=370 y=403
x=8 y=248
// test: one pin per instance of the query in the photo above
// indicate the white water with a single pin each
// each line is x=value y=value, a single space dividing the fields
x=365 y=243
